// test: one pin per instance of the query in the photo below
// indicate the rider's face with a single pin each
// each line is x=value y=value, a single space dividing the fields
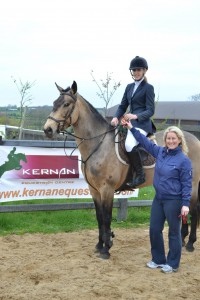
x=138 y=73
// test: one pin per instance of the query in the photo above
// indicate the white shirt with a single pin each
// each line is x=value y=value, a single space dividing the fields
x=137 y=83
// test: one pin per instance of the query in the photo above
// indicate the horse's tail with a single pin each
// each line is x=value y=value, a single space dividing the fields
x=198 y=206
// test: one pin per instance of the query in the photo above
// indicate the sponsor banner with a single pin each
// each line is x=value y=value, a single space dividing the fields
x=28 y=173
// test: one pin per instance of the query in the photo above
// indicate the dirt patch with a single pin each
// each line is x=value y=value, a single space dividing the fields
x=64 y=266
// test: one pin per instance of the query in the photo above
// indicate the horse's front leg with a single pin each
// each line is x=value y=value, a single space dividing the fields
x=103 y=203
x=106 y=229
x=104 y=218
x=99 y=216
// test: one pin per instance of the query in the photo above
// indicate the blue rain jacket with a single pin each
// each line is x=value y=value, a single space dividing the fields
x=173 y=171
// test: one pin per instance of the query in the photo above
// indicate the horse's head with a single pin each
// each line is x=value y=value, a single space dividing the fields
x=63 y=114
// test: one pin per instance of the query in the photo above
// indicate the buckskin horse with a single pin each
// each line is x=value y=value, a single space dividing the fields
x=102 y=169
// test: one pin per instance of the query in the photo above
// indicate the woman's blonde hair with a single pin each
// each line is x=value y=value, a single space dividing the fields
x=180 y=135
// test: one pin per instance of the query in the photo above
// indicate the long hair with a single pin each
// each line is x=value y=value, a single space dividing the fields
x=180 y=135
x=145 y=78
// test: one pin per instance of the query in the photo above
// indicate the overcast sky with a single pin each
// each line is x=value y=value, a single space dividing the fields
x=60 y=41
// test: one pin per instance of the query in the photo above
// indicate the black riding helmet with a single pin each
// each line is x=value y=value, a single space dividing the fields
x=138 y=62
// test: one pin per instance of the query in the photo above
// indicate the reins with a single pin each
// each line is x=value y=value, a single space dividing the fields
x=87 y=139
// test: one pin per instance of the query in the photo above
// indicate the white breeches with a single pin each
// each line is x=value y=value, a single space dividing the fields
x=131 y=141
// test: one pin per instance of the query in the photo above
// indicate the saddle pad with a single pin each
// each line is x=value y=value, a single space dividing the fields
x=148 y=160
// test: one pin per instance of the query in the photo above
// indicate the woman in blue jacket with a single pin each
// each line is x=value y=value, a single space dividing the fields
x=173 y=186
x=140 y=98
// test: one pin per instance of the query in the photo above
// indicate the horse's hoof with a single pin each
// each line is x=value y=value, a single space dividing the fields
x=104 y=255
x=98 y=248
x=189 y=247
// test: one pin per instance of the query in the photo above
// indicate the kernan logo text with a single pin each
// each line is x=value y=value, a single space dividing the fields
x=48 y=167
x=39 y=172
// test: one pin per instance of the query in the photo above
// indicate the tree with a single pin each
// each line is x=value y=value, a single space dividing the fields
x=25 y=99
x=106 y=90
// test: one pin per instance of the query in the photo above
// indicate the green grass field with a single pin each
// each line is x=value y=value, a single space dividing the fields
x=70 y=220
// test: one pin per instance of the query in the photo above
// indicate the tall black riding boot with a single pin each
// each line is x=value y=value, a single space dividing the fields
x=136 y=163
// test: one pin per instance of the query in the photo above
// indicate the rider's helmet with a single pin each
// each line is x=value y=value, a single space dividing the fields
x=138 y=62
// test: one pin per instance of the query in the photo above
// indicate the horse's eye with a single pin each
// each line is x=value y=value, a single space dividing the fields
x=66 y=104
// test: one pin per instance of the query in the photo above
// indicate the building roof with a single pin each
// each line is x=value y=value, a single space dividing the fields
x=181 y=110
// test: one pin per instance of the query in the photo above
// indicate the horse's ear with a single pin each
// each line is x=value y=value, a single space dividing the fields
x=61 y=90
x=74 y=87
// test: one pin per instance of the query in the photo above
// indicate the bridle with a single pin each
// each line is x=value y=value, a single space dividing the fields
x=62 y=122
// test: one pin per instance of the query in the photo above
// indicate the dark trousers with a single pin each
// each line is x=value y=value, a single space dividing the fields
x=161 y=211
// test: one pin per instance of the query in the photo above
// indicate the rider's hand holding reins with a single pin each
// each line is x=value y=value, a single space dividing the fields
x=130 y=116
x=114 y=122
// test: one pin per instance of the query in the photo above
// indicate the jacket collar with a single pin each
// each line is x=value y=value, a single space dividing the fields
x=171 y=152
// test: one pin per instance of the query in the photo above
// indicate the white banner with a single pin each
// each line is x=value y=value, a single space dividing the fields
x=28 y=173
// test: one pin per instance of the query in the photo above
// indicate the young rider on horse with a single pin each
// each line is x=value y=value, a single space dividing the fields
x=140 y=98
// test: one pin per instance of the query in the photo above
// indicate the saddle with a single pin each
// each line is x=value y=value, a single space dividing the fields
x=148 y=161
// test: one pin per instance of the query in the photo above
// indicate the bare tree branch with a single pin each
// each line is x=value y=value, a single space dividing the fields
x=194 y=97
x=25 y=97
x=106 y=92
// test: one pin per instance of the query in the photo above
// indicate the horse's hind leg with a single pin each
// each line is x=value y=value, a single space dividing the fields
x=184 y=233
x=193 y=232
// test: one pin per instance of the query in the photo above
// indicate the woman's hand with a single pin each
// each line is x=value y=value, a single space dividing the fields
x=184 y=210
x=114 y=122
x=126 y=123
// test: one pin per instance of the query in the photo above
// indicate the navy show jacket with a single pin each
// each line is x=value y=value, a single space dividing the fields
x=141 y=103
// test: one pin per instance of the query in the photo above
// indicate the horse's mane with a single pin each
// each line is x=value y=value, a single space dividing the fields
x=95 y=112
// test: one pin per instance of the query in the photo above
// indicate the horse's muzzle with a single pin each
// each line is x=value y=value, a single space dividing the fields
x=48 y=132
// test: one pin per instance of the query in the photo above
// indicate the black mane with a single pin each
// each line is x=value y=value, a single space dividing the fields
x=95 y=112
